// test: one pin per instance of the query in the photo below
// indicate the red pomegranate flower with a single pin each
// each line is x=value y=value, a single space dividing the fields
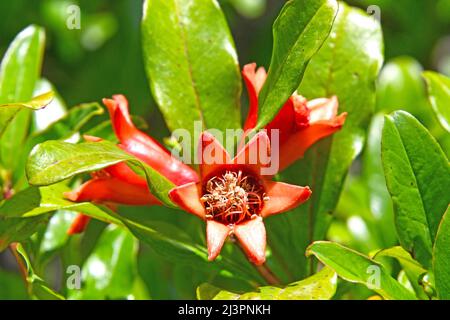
x=118 y=184
x=234 y=198
x=301 y=123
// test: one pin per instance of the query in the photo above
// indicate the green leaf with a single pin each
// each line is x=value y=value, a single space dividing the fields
x=20 y=70
x=54 y=161
x=320 y=286
x=110 y=271
x=355 y=267
x=191 y=64
x=19 y=229
x=299 y=31
x=346 y=66
x=413 y=269
x=35 y=201
x=12 y=151
x=37 y=288
x=66 y=127
x=36 y=103
x=439 y=96
x=418 y=179
x=441 y=257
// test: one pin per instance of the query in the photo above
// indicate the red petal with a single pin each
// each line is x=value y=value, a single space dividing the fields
x=212 y=155
x=216 y=234
x=112 y=190
x=302 y=112
x=254 y=81
x=144 y=147
x=284 y=121
x=187 y=197
x=283 y=197
x=123 y=172
x=252 y=236
x=256 y=153
x=296 y=146
x=79 y=224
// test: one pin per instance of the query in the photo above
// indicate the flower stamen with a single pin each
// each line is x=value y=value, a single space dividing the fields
x=233 y=197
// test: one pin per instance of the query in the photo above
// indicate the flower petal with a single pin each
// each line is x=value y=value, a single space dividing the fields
x=79 y=224
x=216 y=234
x=144 y=147
x=296 y=146
x=284 y=121
x=112 y=190
x=252 y=236
x=256 y=154
x=283 y=197
x=212 y=154
x=123 y=172
x=187 y=197
x=254 y=80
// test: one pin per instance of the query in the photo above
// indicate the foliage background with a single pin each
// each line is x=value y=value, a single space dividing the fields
x=105 y=57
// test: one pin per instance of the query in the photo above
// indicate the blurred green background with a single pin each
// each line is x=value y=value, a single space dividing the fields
x=104 y=57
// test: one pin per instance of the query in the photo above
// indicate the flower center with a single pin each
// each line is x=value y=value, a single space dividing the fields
x=233 y=197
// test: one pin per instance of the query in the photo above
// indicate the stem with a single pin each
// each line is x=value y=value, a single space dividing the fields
x=267 y=274
x=20 y=263
x=263 y=270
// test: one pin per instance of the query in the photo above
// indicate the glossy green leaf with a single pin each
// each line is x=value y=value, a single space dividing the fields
x=441 y=257
x=191 y=64
x=110 y=271
x=299 y=31
x=66 y=127
x=37 y=288
x=418 y=178
x=355 y=267
x=19 y=72
x=413 y=269
x=36 y=201
x=320 y=286
x=347 y=66
x=54 y=161
x=439 y=95
x=36 y=103
x=12 y=152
